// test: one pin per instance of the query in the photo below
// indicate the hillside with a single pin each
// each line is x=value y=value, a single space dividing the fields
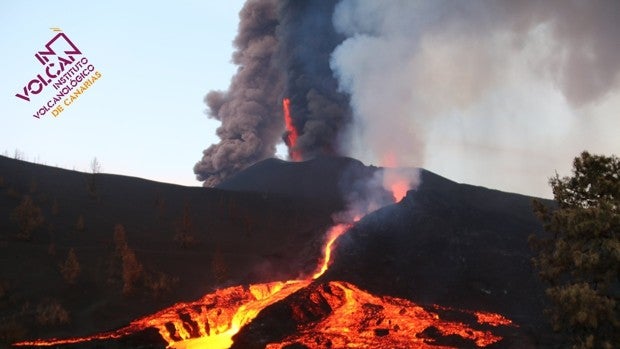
x=446 y=244
x=228 y=230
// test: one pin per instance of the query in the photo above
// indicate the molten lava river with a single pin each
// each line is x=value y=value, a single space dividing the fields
x=327 y=315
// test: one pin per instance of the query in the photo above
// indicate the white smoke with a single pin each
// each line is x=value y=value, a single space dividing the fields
x=499 y=93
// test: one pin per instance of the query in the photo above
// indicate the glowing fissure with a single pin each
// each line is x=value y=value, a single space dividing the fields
x=291 y=131
x=356 y=319
x=332 y=235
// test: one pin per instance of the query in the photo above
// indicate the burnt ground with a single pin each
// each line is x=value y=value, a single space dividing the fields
x=446 y=243
x=238 y=238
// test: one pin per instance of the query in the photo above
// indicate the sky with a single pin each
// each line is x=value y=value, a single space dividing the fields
x=488 y=119
x=145 y=116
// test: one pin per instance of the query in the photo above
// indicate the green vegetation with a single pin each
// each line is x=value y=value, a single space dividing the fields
x=580 y=257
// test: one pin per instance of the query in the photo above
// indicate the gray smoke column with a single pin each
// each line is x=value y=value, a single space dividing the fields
x=318 y=110
x=250 y=111
x=283 y=50
x=475 y=88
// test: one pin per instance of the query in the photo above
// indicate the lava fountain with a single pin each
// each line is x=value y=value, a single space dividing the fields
x=332 y=314
x=291 y=131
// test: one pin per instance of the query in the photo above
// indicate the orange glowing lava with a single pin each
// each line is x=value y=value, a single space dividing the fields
x=396 y=180
x=212 y=321
x=291 y=131
x=492 y=319
x=399 y=190
x=354 y=318
x=332 y=235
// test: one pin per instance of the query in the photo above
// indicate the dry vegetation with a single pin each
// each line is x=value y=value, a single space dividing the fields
x=28 y=217
x=70 y=269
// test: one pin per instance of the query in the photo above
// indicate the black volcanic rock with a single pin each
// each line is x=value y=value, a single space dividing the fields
x=449 y=244
x=326 y=178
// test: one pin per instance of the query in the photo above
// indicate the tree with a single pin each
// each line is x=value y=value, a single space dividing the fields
x=185 y=230
x=70 y=270
x=131 y=267
x=28 y=217
x=95 y=168
x=579 y=257
x=132 y=271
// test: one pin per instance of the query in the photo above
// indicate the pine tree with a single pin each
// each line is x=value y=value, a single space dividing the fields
x=579 y=258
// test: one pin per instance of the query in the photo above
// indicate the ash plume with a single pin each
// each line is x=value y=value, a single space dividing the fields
x=250 y=110
x=319 y=111
x=282 y=50
x=473 y=88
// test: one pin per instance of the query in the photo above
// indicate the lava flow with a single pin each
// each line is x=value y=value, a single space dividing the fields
x=349 y=317
x=333 y=314
x=291 y=131
x=211 y=321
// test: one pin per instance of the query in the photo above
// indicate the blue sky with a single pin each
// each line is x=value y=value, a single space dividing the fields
x=145 y=117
